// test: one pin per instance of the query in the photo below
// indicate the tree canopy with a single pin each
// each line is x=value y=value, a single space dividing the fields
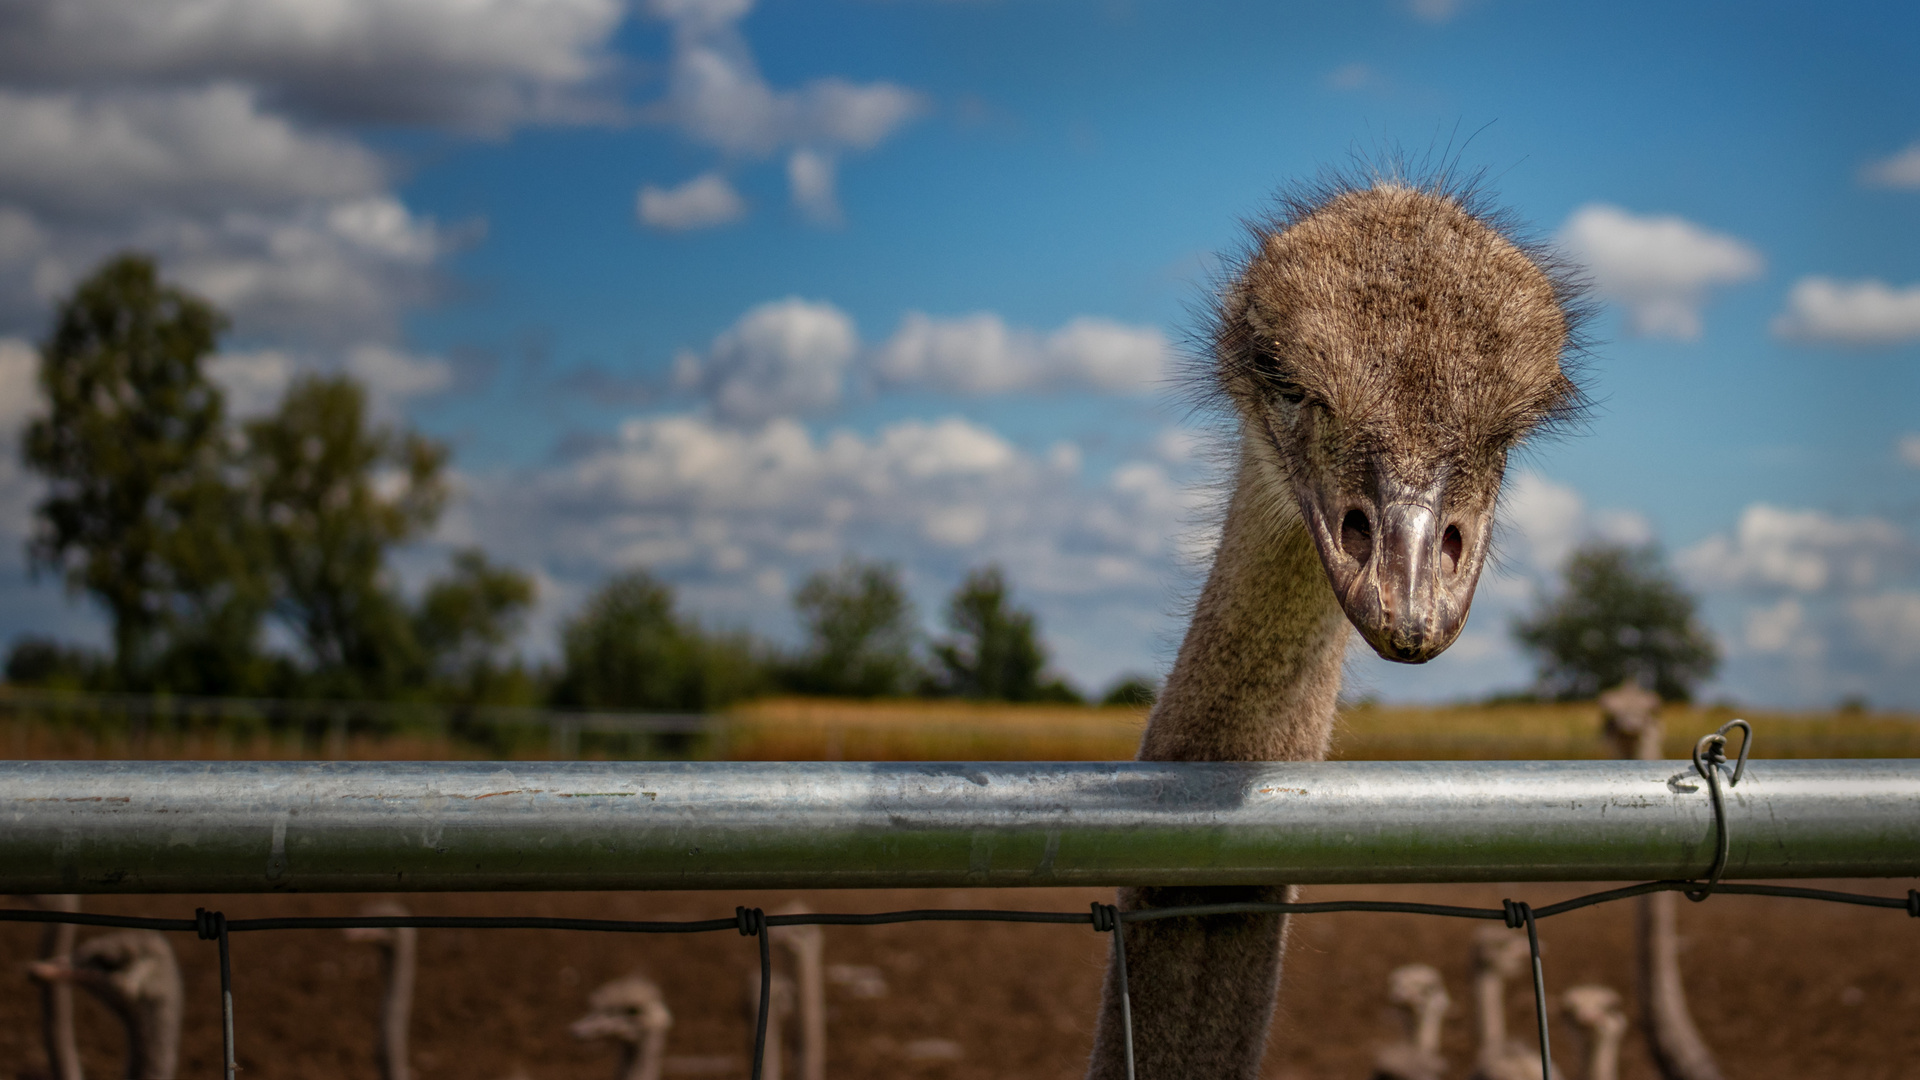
x=1619 y=615
x=994 y=650
x=139 y=512
x=860 y=633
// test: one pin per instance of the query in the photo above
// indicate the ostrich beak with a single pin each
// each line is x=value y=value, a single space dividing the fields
x=1404 y=569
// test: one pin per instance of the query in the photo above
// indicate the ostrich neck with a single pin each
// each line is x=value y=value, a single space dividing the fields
x=153 y=1036
x=1432 y=1013
x=1490 y=995
x=643 y=1060
x=397 y=1008
x=1259 y=672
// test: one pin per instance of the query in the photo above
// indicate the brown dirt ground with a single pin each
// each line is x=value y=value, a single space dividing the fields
x=1782 y=988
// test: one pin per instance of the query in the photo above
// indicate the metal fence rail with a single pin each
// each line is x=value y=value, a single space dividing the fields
x=301 y=826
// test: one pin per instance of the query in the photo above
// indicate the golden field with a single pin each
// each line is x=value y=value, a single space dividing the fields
x=814 y=730
x=811 y=729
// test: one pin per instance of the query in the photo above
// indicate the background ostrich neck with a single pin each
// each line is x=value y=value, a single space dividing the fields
x=1259 y=673
x=396 y=1010
x=1491 y=991
x=1432 y=1014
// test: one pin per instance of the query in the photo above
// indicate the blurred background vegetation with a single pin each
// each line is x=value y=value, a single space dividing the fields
x=246 y=572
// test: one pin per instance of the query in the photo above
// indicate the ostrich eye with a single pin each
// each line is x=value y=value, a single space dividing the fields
x=1290 y=391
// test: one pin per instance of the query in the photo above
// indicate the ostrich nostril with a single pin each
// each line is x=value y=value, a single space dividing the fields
x=1356 y=536
x=1451 y=546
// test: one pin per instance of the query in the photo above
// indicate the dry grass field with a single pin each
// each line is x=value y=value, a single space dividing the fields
x=811 y=729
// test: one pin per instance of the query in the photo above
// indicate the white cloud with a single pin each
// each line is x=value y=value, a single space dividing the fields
x=335 y=274
x=253 y=382
x=717 y=95
x=1781 y=628
x=203 y=150
x=1659 y=267
x=785 y=358
x=702 y=202
x=981 y=354
x=810 y=176
x=1352 y=77
x=1889 y=624
x=1908 y=447
x=1824 y=310
x=477 y=63
x=392 y=375
x=1804 y=551
x=1902 y=170
x=19 y=390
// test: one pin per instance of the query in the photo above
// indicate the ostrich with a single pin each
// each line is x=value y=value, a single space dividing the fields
x=398 y=947
x=780 y=995
x=1633 y=723
x=1498 y=955
x=134 y=972
x=1382 y=349
x=56 y=994
x=1417 y=989
x=632 y=1012
x=1597 y=1010
x=807 y=945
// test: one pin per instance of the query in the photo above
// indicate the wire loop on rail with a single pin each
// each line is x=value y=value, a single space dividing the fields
x=1709 y=756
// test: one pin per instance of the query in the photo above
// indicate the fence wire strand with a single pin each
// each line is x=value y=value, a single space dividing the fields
x=1709 y=759
x=1105 y=918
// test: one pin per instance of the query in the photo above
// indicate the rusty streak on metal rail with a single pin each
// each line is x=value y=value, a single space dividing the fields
x=72 y=826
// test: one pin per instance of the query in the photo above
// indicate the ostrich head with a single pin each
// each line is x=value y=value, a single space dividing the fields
x=627 y=1010
x=1384 y=349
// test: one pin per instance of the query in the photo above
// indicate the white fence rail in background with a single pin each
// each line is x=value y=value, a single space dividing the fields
x=237 y=827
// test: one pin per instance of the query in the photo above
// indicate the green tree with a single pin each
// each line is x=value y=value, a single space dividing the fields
x=334 y=494
x=626 y=649
x=1619 y=615
x=860 y=633
x=994 y=652
x=141 y=511
x=464 y=622
x=1131 y=689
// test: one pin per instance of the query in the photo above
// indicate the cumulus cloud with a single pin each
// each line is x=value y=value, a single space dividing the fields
x=810 y=176
x=702 y=202
x=206 y=149
x=785 y=358
x=253 y=382
x=1889 y=624
x=1660 y=268
x=19 y=388
x=1544 y=521
x=1826 y=311
x=1781 y=628
x=1902 y=170
x=981 y=354
x=485 y=65
x=701 y=500
x=392 y=375
x=1803 y=551
x=1908 y=447
x=718 y=97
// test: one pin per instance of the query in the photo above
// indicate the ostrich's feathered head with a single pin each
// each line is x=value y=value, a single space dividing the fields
x=1385 y=348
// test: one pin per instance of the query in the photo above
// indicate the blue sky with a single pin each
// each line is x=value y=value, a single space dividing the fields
x=732 y=290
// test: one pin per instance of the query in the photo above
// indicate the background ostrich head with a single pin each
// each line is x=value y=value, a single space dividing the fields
x=1385 y=347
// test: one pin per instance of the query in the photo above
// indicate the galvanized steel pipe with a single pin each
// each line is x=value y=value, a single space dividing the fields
x=72 y=826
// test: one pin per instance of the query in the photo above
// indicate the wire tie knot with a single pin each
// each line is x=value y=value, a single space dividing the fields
x=752 y=920
x=1516 y=913
x=1105 y=917
x=1709 y=754
x=210 y=925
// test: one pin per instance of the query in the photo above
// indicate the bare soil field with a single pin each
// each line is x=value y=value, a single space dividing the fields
x=1781 y=988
